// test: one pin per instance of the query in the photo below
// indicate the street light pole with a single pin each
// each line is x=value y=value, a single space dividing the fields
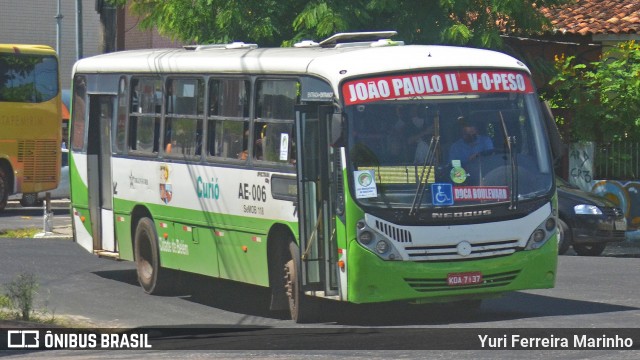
x=59 y=17
x=78 y=29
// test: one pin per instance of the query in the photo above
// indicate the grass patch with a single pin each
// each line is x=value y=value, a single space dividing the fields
x=18 y=301
x=22 y=305
x=20 y=233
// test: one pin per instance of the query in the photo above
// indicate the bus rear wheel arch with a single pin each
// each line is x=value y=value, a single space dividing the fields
x=151 y=275
x=303 y=308
x=278 y=254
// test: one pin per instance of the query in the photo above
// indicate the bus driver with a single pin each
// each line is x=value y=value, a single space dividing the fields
x=470 y=146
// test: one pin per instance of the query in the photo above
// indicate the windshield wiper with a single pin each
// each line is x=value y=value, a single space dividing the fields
x=510 y=141
x=428 y=161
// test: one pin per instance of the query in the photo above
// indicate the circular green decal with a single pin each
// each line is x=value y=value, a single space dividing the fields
x=458 y=175
x=365 y=179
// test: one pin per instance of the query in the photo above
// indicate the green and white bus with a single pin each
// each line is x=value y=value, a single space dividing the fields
x=331 y=170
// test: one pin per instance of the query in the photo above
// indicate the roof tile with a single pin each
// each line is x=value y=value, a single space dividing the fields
x=596 y=17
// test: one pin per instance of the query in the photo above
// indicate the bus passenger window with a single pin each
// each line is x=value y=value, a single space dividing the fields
x=184 y=117
x=167 y=135
x=273 y=130
x=133 y=127
x=118 y=133
x=79 y=118
x=135 y=97
x=182 y=137
x=146 y=134
x=227 y=131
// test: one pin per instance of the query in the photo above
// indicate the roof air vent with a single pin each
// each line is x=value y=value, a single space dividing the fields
x=306 y=44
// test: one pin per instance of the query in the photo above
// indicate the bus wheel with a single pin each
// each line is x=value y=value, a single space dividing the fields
x=30 y=199
x=564 y=237
x=589 y=249
x=147 y=257
x=302 y=308
x=4 y=189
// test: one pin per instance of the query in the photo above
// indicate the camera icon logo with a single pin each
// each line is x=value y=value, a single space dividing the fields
x=23 y=339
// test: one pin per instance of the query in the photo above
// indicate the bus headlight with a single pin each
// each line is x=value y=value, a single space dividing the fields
x=382 y=247
x=376 y=242
x=365 y=237
x=538 y=235
x=550 y=224
x=542 y=234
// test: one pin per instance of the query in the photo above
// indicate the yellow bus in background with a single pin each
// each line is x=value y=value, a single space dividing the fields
x=30 y=120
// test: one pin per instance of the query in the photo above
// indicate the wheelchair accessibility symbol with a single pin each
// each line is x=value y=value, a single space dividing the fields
x=442 y=194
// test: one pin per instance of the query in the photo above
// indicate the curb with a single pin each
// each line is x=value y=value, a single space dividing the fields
x=57 y=204
x=58 y=232
x=51 y=235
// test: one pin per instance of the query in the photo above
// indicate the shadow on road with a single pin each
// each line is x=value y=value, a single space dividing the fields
x=218 y=293
x=254 y=301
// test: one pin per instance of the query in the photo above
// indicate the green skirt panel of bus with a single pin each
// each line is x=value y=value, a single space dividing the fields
x=373 y=280
x=224 y=249
x=214 y=222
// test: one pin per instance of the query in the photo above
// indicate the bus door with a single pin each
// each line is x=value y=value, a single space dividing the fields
x=315 y=188
x=101 y=113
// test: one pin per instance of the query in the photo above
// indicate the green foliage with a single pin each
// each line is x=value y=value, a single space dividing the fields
x=21 y=292
x=6 y=311
x=20 y=233
x=270 y=22
x=603 y=96
x=218 y=21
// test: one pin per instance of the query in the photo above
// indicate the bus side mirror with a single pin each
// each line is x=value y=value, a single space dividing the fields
x=337 y=130
x=558 y=148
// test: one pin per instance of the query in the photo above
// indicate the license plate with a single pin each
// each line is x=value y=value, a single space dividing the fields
x=465 y=278
x=621 y=225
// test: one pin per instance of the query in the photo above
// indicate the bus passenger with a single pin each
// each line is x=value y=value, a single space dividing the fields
x=470 y=146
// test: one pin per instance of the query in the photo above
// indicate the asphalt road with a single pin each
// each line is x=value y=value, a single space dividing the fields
x=15 y=217
x=600 y=293
x=590 y=291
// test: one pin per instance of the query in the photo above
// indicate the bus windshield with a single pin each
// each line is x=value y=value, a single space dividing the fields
x=28 y=78
x=31 y=121
x=452 y=150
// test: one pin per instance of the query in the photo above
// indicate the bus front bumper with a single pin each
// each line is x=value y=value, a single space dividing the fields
x=371 y=279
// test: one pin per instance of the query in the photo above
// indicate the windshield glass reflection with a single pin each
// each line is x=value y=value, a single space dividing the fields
x=448 y=151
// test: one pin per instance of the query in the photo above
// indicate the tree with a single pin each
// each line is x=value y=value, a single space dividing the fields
x=218 y=21
x=603 y=97
x=270 y=22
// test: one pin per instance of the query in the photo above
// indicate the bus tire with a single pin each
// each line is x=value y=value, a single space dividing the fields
x=29 y=199
x=589 y=249
x=147 y=258
x=4 y=189
x=564 y=237
x=302 y=308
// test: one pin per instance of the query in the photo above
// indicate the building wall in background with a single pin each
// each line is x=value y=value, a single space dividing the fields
x=134 y=38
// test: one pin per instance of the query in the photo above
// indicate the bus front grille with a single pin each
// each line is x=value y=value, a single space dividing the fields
x=488 y=281
x=451 y=252
x=39 y=160
x=393 y=232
